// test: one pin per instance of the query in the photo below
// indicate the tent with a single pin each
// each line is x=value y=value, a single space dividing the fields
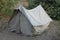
x=29 y=22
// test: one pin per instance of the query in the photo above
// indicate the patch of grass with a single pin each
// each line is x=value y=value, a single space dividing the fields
x=7 y=6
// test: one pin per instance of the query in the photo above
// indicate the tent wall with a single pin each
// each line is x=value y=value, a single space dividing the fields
x=20 y=23
x=14 y=23
x=25 y=25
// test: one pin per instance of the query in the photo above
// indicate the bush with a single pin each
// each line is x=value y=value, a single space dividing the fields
x=57 y=2
x=33 y=3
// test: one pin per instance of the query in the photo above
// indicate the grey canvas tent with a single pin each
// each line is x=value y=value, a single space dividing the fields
x=29 y=22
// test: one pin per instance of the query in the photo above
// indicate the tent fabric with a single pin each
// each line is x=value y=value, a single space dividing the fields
x=36 y=16
x=20 y=23
x=29 y=21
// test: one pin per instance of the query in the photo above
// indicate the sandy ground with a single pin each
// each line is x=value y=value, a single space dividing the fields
x=49 y=34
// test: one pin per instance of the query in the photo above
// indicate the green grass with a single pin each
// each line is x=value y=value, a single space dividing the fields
x=7 y=6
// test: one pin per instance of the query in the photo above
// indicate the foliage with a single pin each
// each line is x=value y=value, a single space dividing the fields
x=6 y=6
x=52 y=7
x=58 y=2
x=33 y=3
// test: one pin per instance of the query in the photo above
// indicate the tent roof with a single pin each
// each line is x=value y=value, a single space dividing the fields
x=36 y=16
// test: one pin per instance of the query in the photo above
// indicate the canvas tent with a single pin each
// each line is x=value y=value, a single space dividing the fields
x=29 y=22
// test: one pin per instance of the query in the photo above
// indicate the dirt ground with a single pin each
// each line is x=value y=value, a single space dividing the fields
x=50 y=34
